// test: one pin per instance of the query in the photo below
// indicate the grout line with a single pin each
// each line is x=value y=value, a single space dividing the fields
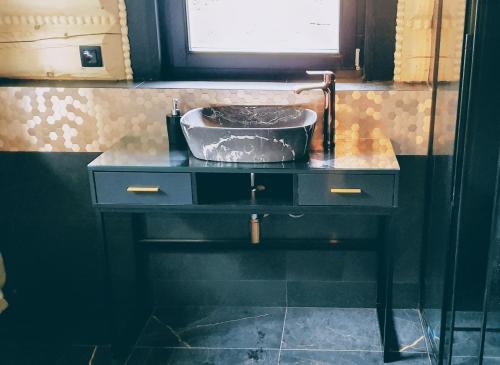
x=336 y=308
x=144 y=327
x=206 y=348
x=284 y=322
x=264 y=306
x=148 y=355
x=152 y=240
x=91 y=360
x=140 y=335
x=265 y=349
x=425 y=335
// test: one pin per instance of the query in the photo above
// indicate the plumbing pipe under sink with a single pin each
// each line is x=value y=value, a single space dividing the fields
x=254 y=218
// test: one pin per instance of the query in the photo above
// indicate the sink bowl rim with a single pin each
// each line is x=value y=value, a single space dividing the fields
x=306 y=110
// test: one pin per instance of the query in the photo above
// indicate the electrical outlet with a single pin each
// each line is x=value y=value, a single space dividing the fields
x=91 y=56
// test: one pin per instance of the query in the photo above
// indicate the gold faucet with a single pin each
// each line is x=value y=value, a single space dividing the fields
x=328 y=87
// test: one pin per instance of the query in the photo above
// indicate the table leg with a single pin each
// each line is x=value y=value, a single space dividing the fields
x=384 y=292
x=126 y=304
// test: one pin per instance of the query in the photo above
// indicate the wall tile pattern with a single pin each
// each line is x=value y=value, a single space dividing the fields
x=446 y=119
x=93 y=119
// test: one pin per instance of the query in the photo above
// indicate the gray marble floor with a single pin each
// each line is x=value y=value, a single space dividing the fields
x=214 y=327
x=264 y=336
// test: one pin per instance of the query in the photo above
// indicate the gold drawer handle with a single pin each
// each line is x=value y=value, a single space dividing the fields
x=143 y=189
x=345 y=191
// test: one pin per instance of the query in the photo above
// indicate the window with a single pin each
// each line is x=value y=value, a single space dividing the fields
x=258 y=38
x=263 y=26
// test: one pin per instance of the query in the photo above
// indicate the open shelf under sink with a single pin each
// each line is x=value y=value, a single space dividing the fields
x=235 y=189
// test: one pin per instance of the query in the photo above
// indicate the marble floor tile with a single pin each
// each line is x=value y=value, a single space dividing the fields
x=26 y=354
x=54 y=355
x=432 y=320
x=214 y=327
x=491 y=361
x=466 y=343
x=84 y=355
x=409 y=331
x=205 y=335
x=306 y=357
x=468 y=319
x=142 y=356
x=470 y=360
x=464 y=360
x=331 y=329
x=492 y=344
x=474 y=319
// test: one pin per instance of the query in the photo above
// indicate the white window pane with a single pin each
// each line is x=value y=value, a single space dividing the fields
x=264 y=26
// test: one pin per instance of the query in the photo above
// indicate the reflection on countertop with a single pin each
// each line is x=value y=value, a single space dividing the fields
x=152 y=152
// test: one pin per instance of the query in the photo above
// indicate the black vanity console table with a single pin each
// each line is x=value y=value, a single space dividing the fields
x=140 y=175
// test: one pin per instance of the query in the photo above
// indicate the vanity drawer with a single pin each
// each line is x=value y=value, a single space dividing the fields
x=139 y=188
x=346 y=189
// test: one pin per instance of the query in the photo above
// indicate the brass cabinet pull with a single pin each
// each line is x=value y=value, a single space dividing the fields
x=143 y=189
x=346 y=191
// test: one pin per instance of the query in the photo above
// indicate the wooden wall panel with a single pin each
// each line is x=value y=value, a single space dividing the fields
x=413 y=40
x=40 y=40
x=59 y=7
x=452 y=35
x=415 y=32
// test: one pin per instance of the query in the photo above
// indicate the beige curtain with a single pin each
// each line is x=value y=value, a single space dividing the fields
x=3 y=302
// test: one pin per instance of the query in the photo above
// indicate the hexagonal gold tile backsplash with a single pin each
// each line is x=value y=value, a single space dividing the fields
x=93 y=119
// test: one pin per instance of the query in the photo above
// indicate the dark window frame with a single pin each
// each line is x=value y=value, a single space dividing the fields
x=151 y=47
x=184 y=64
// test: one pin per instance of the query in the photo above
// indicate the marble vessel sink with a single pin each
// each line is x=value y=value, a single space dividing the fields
x=249 y=133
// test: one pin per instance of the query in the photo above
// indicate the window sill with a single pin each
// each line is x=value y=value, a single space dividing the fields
x=278 y=86
x=212 y=85
x=84 y=84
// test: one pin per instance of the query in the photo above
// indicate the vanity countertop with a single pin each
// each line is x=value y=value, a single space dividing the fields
x=148 y=152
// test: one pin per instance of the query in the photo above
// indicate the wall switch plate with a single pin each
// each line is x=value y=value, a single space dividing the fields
x=91 y=56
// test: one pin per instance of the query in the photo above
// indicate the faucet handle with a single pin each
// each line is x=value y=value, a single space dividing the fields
x=319 y=72
x=328 y=76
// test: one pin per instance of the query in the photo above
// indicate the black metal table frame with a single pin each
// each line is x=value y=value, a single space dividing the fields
x=120 y=227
